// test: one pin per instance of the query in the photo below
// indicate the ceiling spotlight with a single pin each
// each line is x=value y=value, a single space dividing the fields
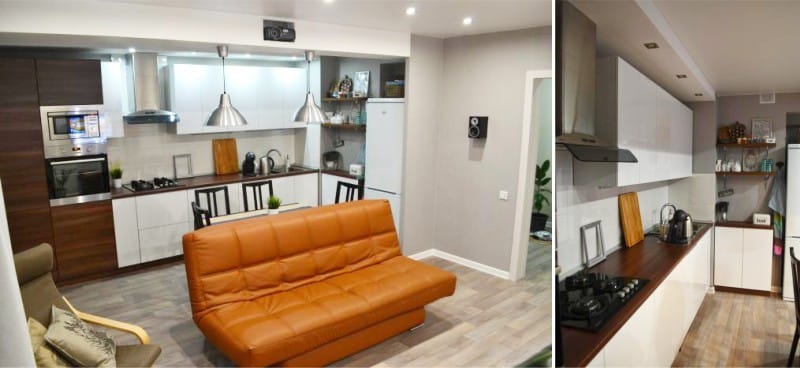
x=467 y=21
x=247 y=55
x=131 y=49
x=681 y=76
x=411 y=10
x=327 y=1
x=294 y=57
x=698 y=94
x=651 y=45
x=194 y=52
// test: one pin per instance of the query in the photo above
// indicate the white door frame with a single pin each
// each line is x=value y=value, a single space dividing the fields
x=527 y=163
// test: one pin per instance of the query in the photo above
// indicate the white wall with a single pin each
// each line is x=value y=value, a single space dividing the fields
x=483 y=75
x=106 y=24
x=581 y=205
x=15 y=351
x=423 y=96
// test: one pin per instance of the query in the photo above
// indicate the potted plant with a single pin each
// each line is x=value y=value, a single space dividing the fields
x=273 y=204
x=540 y=193
x=116 y=176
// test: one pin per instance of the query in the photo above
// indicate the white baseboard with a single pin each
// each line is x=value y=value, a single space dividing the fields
x=462 y=261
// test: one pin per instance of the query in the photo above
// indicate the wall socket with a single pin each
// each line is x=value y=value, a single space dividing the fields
x=503 y=195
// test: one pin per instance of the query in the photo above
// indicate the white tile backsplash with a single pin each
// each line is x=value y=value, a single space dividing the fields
x=146 y=150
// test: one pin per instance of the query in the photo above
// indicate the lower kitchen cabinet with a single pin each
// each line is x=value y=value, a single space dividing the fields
x=655 y=332
x=743 y=258
x=29 y=228
x=126 y=232
x=162 y=241
x=84 y=239
x=328 y=187
x=306 y=189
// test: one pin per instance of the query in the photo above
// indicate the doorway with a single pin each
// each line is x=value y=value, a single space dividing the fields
x=537 y=147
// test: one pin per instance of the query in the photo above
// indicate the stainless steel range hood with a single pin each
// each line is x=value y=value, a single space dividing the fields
x=146 y=91
x=576 y=52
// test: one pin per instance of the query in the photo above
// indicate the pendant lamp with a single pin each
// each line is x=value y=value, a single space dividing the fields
x=225 y=115
x=309 y=113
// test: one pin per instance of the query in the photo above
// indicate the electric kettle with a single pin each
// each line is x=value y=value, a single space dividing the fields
x=680 y=228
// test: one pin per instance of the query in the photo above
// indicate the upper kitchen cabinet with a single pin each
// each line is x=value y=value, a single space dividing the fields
x=633 y=112
x=69 y=82
x=266 y=96
x=114 y=97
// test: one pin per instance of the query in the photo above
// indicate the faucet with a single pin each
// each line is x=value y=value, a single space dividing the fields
x=273 y=164
x=661 y=220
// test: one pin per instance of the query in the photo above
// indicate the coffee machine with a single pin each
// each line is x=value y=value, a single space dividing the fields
x=721 y=211
x=680 y=228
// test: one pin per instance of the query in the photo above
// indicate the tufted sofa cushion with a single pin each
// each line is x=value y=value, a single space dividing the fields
x=267 y=289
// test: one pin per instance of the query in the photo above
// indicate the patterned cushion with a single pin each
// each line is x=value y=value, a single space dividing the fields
x=44 y=354
x=79 y=343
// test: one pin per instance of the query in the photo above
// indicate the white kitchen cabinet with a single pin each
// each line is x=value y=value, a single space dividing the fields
x=634 y=113
x=161 y=209
x=283 y=188
x=654 y=333
x=306 y=189
x=328 y=188
x=266 y=96
x=126 y=231
x=115 y=97
x=743 y=258
x=163 y=241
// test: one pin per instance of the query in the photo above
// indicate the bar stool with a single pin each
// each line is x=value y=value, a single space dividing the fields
x=255 y=186
x=211 y=198
x=350 y=195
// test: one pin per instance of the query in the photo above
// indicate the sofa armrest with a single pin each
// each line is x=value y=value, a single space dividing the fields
x=110 y=323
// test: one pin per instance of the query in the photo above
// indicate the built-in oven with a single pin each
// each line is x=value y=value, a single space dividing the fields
x=69 y=130
x=77 y=179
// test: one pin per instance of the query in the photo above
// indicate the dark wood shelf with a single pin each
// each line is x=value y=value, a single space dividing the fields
x=745 y=173
x=348 y=126
x=346 y=99
x=746 y=145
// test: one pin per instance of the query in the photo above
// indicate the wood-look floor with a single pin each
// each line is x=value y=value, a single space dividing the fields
x=487 y=322
x=739 y=330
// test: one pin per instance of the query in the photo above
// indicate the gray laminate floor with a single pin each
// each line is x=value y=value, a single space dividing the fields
x=488 y=322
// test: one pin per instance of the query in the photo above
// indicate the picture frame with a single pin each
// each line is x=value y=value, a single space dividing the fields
x=361 y=84
x=592 y=234
x=182 y=166
x=761 y=128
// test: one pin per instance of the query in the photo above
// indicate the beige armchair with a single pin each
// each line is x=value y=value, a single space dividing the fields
x=39 y=293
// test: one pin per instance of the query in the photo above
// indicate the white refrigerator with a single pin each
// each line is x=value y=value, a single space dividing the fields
x=792 y=216
x=383 y=165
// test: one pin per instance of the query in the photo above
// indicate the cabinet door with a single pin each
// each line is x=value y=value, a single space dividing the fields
x=284 y=189
x=634 y=113
x=161 y=209
x=29 y=228
x=728 y=257
x=293 y=81
x=126 y=231
x=163 y=241
x=757 y=259
x=328 y=187
x=306 y=189
x=188 y=86
x=69 y=82
x=84 y=239
x=114 y=98
x=685 y=143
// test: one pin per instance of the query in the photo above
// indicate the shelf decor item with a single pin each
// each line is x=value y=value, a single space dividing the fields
x=761 y=129
x=750 y=161
x=273 y=204
x=737 y=131
x=182 y=166
x=361 y=84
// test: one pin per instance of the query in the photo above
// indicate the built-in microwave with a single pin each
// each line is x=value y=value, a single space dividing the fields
x=68 y=130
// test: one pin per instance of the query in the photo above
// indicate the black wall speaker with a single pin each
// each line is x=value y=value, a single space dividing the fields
x=478 y=127
x=278 y=31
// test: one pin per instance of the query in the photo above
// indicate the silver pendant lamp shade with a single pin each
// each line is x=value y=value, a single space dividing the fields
x=309 y=113
x=225 y=115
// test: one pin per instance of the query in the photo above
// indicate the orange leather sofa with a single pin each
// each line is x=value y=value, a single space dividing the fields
x=307 y=288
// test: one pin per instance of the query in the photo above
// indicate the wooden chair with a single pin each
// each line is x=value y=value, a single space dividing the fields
x=211 y=199
x=795 y=269
x=255 y=187
x=202 y=217
x=350 y=195
x=39 y=293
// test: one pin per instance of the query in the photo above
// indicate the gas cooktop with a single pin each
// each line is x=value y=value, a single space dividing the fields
x=588 y=300
x=157 y=183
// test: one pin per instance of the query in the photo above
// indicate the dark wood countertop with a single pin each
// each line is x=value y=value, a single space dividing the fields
x=649 y=259
x=742 y=224
x=207 y=180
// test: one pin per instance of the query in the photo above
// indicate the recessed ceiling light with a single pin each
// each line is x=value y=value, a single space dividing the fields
x=194 y=52
x=131 y=49
x=294 y=57
x=247 y=55
x=327 y=1
x=411 y=10
x=467 y=21
x=651 y=45
x=681 y=76
x=698 y=94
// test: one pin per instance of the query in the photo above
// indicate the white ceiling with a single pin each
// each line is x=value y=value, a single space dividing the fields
x=436 y=18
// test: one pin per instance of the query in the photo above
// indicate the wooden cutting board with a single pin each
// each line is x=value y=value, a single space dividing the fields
x=630 y=218
x=226 y=158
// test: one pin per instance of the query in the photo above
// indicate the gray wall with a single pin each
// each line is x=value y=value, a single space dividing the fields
x=704 y=145
x=750 y=192
x=424 y=93
x=483 y=75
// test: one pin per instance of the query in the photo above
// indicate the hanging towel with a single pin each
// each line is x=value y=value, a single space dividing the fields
x=777 y=196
